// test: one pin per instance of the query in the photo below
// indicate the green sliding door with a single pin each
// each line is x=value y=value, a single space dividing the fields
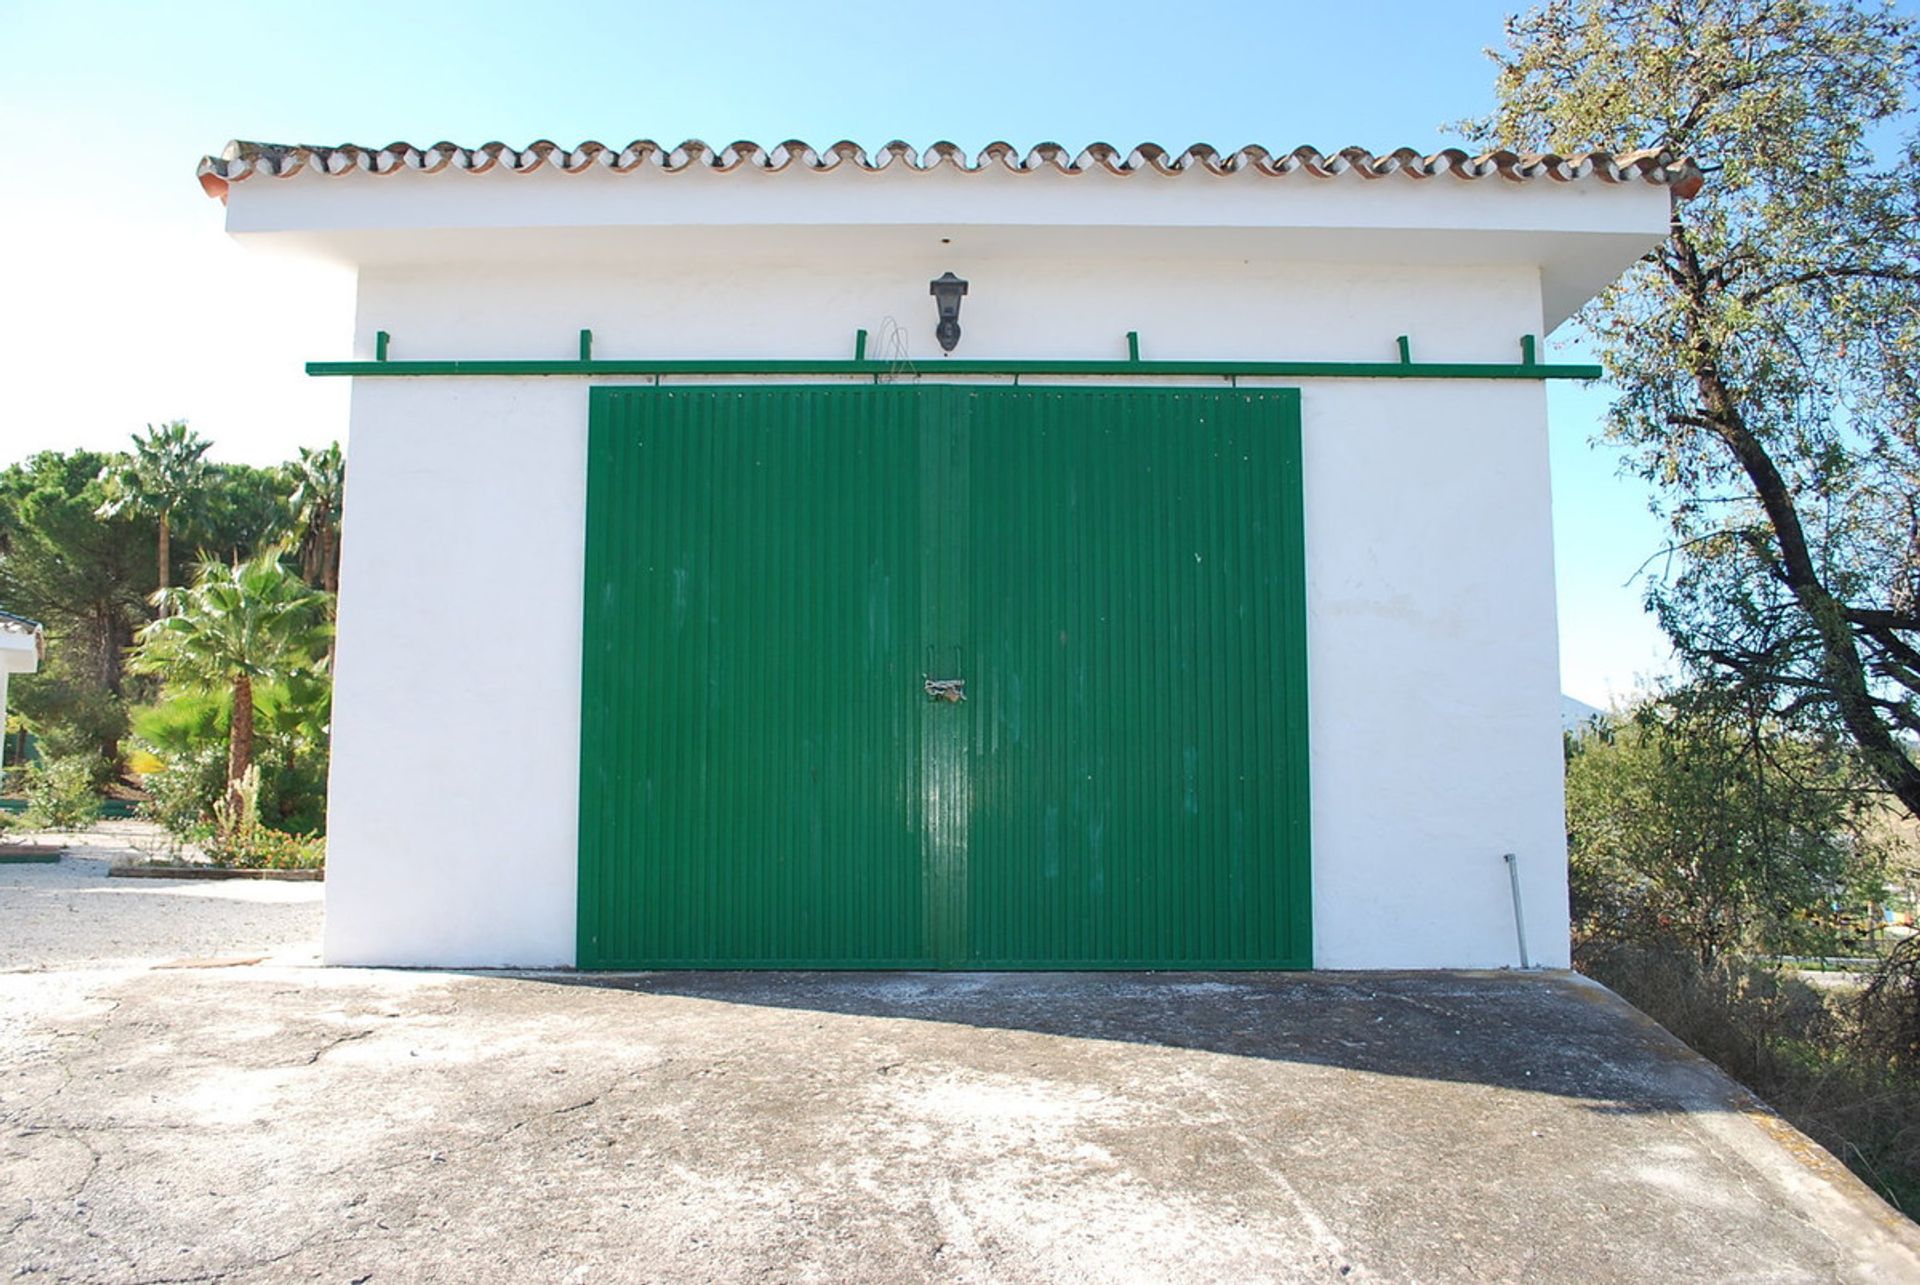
x=1112 y=576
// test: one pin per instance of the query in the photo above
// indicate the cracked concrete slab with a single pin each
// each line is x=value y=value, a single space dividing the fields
x=279 y=1121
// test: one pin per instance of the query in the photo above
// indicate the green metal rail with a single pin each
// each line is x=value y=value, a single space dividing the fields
x=1528 y=367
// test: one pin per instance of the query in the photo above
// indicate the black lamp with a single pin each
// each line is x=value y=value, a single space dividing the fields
x=946 y=290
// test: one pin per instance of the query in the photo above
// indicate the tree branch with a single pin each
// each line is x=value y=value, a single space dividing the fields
x=1841 y=666
x=1875 y=273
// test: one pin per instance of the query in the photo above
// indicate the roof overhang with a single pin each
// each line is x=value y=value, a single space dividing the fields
x=22 y=645
x=1580 y=222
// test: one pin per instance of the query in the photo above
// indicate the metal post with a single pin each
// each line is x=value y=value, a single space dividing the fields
x=1519 y=915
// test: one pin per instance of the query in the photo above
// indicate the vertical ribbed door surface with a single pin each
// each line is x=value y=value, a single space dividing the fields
x=774 y=573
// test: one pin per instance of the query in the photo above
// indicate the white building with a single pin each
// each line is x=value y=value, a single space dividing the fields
x=22 y=647
x=673 y=528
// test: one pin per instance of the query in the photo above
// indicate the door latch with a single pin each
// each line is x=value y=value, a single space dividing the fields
x=947 y=689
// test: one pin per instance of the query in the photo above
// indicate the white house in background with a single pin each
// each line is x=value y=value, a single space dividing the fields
x=939 y=560
x=1577 y=715
x=23 y=646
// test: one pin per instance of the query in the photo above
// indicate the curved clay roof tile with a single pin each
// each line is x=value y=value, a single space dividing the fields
x=241 y=160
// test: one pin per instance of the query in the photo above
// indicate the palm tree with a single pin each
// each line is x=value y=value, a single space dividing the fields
x=319 y=479
x=237 y=625
x=161 y=478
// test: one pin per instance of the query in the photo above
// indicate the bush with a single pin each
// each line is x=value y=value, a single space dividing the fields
x=1696 y=818
x=62 y=794
x=240 y=840
x=73 y=719
x=1889 y=1009
x=293 y=797
x=182 y=794
x=186 y=731
x=266 y=849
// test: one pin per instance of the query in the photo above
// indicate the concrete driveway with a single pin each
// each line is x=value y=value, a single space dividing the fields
x=277 y=1121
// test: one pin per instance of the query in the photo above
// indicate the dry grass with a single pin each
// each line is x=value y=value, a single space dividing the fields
x=1841 y=1063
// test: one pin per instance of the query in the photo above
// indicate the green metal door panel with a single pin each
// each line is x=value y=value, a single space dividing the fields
x=751 y=715
x=1138 y=776
x=1117 y=575
x=945 y=460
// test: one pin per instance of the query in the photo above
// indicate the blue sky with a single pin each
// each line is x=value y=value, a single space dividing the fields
x=126 y=303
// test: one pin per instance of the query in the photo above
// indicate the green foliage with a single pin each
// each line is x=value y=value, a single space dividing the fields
x=161 y=479
x=183 y=792
x=1765 y=356
x=1706 y=836
x=318 y=480
x=240 y=512
x=264 y=848
x=61 y=794
x=1699 y=820
x=74 y=717
x=78 y=535
x=187 y=731
x=254 y=620
x=293 y=796
x=182 y=721
x=239 y=838
x=296 y=712
x=85 y=577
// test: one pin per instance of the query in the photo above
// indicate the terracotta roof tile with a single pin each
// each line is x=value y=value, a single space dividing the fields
x=243 y=160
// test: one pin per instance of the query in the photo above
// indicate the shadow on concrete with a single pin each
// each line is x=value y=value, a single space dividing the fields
x=1549 y=1033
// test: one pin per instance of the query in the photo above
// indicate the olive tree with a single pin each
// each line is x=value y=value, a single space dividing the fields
x=1767 y=355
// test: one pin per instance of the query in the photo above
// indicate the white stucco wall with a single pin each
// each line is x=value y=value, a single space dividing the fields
x=19 y=654
x=1432 y=658
x=451 y=812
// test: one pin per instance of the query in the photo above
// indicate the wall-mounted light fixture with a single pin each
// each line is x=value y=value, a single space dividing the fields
x=946 y=290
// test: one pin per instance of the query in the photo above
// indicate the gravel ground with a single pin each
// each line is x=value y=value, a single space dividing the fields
x=72 y=914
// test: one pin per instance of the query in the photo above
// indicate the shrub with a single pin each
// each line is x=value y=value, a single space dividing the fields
x=183 y=792
x=1748 y=1018
x=186 y=732
x=240 y=840
x=61 y=793
x=293 y=796
x=1889 y=1010
x=74 y=719
x=265 y=849
x=1697 y=819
